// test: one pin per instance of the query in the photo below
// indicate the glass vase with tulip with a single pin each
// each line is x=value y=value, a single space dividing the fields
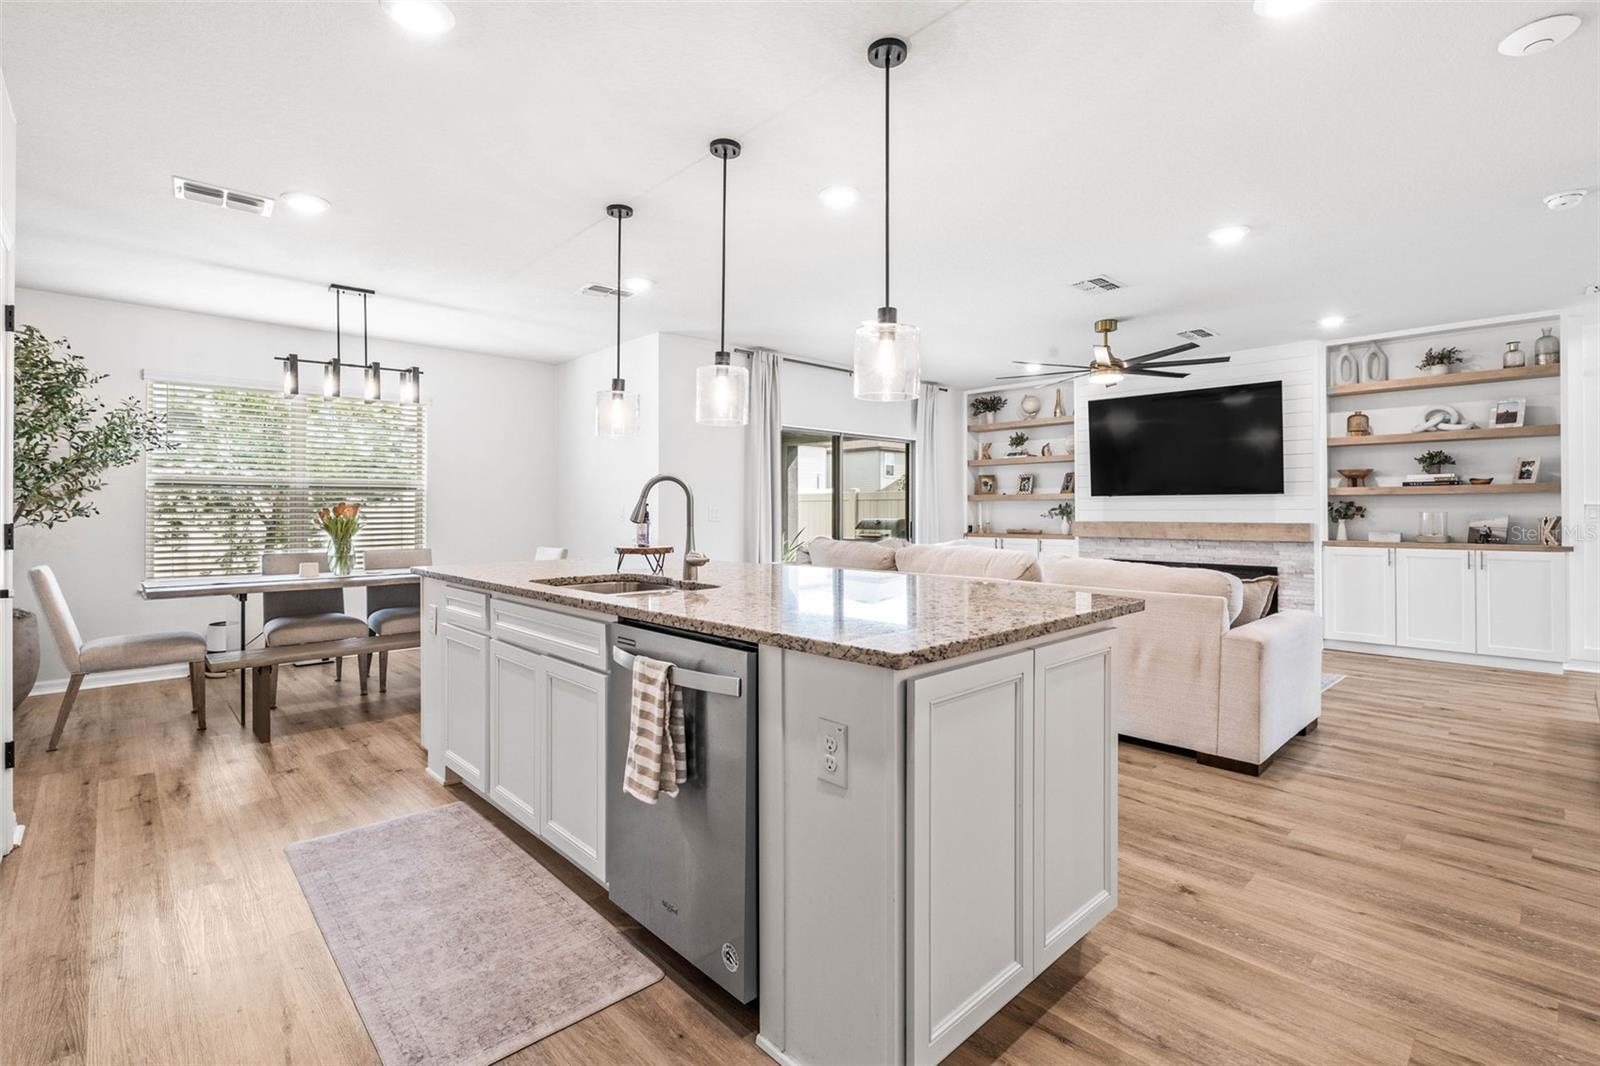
x=341 y=523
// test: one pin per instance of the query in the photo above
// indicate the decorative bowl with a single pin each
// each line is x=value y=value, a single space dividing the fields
x=1480 y=481
x=1354 y=476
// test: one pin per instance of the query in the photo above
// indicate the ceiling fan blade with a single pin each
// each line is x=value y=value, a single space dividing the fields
x=1062 y=366
x=1163 y=353
x=1034 y=377
x=1195 y=362
x=1152 y=373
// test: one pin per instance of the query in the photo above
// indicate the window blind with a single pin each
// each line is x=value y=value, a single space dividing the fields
x=252 y=466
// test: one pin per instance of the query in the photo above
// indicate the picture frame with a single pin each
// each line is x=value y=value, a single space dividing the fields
x=987 y=485
x=1025 y=485
x=1527 y=471
x=1488 y=530
x=1508 y=413
x=1067 y=483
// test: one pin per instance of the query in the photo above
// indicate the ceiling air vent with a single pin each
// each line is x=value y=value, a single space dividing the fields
x=1098 y=283
x=217 y=196
x=1197 y=334
x=605 y=291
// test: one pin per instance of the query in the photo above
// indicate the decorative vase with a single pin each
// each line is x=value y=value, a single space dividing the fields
x=1031 y=406
x=1066 y=526
x=1547 y=349
x=341 y=557
x=1433 y=468
x=1346 y=370
x=1436 y=369
x=1358 y=425
x=1343 y=533
x=1376 y=364
x=1060 y=409
x=988 y=418
x=24 y=654
x=1513 y=356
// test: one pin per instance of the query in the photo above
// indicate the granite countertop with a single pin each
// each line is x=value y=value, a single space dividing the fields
x=878 y=617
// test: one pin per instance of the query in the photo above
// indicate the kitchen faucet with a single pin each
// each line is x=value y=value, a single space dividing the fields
x=692 y=560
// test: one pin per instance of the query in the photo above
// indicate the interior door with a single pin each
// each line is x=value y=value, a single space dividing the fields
x=1435 y=599
x=1358 y=594
x=8 y=211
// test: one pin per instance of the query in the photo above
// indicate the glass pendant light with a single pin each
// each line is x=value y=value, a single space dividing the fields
x=616 y=411
x=291 y=375
x=331 y=384
x=888 y=353
x=410 y=385
x=373 y=389
x=722 y=390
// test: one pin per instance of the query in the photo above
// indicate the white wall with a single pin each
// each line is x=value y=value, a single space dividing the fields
x=491 y=452
x=815 y=398
x=710 y=458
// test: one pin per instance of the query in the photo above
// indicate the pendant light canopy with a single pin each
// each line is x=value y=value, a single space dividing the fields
x=888 y=352
x=616 y=411
x=333 y=369
x=722 y=390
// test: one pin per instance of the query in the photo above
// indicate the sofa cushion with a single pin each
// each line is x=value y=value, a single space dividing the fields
x=852 y=554
x=1111 y=574
x=1259 y=592
x=966 y=560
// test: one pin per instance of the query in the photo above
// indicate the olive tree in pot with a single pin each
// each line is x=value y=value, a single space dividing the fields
x=65 y=438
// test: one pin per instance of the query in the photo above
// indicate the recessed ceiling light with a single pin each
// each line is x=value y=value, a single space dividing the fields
x=304 y=203
x=1562 y=201
x=638 y=285
x=839 y=197
x=1229 y=234
x=1539 y=35
x=1331 y=321
x=1278 y=9
x=425 y=18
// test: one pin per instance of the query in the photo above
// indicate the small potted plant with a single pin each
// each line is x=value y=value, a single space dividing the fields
x=1063 y=511
x=1440 y=360
x=1019 y=444
x=1340 y=512
x=1434 y=461
x=986 y=407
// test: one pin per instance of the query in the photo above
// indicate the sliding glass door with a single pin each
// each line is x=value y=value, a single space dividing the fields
x=845 y=487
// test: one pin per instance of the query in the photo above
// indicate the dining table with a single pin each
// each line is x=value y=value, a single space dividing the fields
x=242 y=586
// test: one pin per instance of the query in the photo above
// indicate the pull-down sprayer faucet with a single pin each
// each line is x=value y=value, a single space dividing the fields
x=692 y=560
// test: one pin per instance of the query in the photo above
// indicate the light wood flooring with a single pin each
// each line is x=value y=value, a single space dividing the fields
x=1416 y=882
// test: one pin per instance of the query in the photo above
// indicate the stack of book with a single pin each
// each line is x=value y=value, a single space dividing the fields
x=1431 y=479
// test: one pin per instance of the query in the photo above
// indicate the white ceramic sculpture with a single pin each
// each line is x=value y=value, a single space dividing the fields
x=1030 y=406
x=1346 y=370
x=1376 y=364
x=1443 y=417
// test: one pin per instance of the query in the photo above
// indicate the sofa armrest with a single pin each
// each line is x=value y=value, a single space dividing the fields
x=1271 y=684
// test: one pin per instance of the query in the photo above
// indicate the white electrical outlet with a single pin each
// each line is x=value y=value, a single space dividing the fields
x=831 y=763
x=716 y=514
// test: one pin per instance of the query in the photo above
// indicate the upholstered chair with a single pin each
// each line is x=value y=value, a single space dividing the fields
x=113 y=653
x=394 y=608
x=307 y=616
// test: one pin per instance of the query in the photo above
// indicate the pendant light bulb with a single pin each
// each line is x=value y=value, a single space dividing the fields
x=373 y=388
x=616 y=411
x=888 y=353
x=410 y=385
x=330 y=379
x=291 y=375
x=722 y=390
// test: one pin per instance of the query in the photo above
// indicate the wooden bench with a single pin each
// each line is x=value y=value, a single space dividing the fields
x=265 y=662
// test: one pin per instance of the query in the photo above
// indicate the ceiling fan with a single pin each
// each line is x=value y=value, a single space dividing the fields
x=1107 y=369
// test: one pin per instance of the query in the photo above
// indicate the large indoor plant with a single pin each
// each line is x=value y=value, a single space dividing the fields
x=66 y=439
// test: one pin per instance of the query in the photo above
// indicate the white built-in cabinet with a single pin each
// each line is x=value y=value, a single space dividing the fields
x=1011 y=831
x=1508 y=604
x=515 y=720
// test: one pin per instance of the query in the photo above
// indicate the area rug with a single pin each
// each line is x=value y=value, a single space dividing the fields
x=457 y=946
x=1330 y=680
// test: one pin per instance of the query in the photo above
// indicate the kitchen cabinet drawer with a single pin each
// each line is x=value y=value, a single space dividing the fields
x=465 y=609
x=562 y=636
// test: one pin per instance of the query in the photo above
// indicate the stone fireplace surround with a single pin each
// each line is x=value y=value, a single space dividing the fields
x=1285 y=546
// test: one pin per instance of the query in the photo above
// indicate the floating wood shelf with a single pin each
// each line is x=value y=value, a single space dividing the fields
x=1022 y=536
x=1021 y=460
x=1446 y=547
x=1021 y=423
x=1442 y=381
x=1448 y=490
x=1491 y=433
x=997 y=497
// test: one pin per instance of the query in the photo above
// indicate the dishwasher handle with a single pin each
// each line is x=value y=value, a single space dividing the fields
x=717 y=684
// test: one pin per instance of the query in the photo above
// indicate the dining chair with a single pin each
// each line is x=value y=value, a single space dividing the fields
x=306 y=616
x=542 y=554
x=133 y=652
x=394 y=608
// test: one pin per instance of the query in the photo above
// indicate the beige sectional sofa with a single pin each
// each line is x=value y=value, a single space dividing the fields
x=1196 y=670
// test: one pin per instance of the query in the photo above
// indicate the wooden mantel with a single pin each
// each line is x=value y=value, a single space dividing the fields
x=1282 y=532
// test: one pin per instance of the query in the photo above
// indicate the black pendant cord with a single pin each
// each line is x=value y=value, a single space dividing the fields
x=366 y=358
x=619 y=297
x=886 y=69
x=338 y=327
x=722 y=331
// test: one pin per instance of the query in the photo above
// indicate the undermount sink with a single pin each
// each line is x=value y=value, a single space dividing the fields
x=612 y=585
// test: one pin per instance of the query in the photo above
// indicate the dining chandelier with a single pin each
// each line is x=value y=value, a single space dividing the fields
x=410 y=378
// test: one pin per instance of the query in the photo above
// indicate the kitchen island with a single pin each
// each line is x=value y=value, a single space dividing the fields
x=935 y=771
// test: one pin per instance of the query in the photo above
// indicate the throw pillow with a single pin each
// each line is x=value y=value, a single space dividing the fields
x=1259 y=592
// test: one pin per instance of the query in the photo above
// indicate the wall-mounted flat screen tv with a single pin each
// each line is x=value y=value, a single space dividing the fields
x=1204 y=442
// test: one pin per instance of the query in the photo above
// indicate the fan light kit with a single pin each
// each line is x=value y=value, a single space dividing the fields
x=333 y=369
x=1540 y=35
x=888 y=355
x=722 y=390
x=1565 y=201
x=616 y=413
x=1105 y=368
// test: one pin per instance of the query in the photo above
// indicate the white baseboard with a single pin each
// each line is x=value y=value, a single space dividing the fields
x=773 y=1053
x=1582 y=666
x=1500 y=662
x=115 y=677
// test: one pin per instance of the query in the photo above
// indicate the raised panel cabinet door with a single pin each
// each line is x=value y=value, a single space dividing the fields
x=1358 y=594
x=516 y=756
x=1435 y=599
x=432 y=726
x=969 y=849
x=1522 y=604
x=573 y=803
x=466 y=697
x=1075 y=793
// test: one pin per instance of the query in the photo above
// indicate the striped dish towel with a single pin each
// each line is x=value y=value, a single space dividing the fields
x=658 y=756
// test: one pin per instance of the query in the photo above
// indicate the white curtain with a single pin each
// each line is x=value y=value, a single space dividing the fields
x=929 y=465
x=763 y=540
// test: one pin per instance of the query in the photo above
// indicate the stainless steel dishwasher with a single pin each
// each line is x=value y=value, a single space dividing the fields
x=685 y=867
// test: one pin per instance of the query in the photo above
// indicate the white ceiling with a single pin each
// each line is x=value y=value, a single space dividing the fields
x=1390 y=162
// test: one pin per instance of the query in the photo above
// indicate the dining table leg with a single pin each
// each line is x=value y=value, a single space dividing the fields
x=244 y=599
